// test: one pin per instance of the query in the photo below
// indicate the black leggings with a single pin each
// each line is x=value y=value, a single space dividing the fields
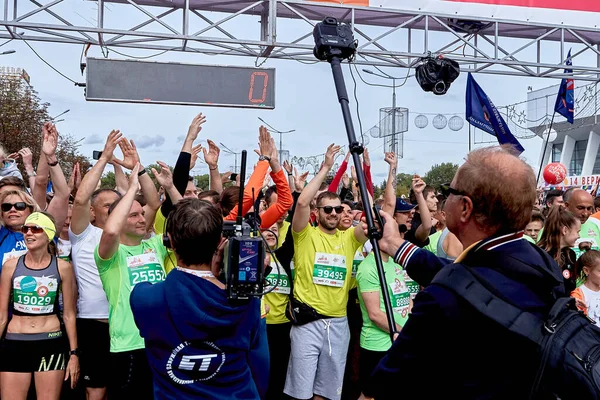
x=130 y=376
x=368 y=361
x=278 y=336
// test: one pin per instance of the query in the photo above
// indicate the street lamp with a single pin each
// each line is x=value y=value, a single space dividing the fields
x=62 y=113
x=387 y=76
x=228 y=150
x=7 y=52
x=280 y=134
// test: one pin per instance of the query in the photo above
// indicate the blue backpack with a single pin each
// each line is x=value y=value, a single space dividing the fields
x=568 y=341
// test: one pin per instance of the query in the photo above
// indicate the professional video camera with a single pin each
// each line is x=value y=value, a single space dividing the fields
x=332 y=39
x=244 y=255
x=437 y=74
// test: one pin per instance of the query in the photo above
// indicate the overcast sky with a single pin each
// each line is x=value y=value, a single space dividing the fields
x=305 y=101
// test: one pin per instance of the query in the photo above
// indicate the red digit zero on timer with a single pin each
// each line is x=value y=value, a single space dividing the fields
x=555 y=173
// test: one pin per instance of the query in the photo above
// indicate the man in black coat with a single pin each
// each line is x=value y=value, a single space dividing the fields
x=447 y=349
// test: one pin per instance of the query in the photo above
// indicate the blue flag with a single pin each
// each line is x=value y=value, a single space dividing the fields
x=565 y=101
x=483 y=114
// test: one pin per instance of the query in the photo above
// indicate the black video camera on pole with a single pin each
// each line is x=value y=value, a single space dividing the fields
x=244 y=255
x=334 y=42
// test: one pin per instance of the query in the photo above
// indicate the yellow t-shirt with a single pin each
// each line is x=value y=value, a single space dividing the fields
x=282 y=233
x=279 y=297
x=323 y=268
x=160 y=226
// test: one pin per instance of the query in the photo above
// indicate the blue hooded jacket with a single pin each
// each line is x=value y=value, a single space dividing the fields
x=199 y=345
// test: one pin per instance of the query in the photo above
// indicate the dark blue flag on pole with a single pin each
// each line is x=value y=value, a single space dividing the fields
x=565 y=101
x=483 y=114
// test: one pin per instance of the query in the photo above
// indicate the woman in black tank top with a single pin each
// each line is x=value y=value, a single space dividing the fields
x=35 y=345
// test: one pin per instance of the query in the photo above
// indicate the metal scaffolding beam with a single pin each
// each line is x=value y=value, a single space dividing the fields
x=205 y=26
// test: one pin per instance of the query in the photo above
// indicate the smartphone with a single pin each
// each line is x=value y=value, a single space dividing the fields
x=97 y=154
x=233 y=177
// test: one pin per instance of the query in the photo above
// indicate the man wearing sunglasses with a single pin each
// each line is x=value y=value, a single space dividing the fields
x=488 y=206
x=323 y=258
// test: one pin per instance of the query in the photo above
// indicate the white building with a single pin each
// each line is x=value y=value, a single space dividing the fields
x=574 y=145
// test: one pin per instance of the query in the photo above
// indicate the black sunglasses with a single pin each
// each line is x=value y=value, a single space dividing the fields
x=329 y=209
x=447 y=190
x=19 y=206
x=33 y=228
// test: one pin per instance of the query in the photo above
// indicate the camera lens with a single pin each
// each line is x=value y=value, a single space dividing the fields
x=440 y=87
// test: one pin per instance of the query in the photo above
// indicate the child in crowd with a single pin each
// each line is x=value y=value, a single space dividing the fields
x=588 y=294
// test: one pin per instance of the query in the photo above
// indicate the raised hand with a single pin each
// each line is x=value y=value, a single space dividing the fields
x=75 y=179
x=27 y=157
x=354 y=177
x=348 y=155
x=196 y=126
x=391 y=158
x=134 y=178
x=211 y=157
x=264 y=142
x=299 y=180
x=346 y=180
x=113 y=139
x=165 y=176
x=417 y=184
x=130 y=154
x=225 y=178
x=366 y=158
x=50 y=140
x=332 y=151
x=288 y=167
x=195 y=150
x=274 y=153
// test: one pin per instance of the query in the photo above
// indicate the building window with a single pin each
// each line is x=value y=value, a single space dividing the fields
x=578 y=156
x=556 y=150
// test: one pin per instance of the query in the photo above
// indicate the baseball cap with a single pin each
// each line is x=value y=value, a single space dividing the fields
x=403 y=206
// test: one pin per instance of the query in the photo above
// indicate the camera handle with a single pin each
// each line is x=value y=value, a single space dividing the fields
x=356 y=149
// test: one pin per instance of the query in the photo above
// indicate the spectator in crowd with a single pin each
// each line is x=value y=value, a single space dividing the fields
x=489 y=204
x=558 y=238
x=588 y=293
x=533 y=228
x=581 y=204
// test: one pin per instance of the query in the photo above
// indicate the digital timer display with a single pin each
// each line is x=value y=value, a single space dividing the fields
x=133 y=81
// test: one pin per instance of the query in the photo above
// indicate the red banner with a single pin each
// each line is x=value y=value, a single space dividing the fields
x=575 y=5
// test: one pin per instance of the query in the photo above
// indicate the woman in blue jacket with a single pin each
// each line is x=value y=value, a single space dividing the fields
x=199 y=344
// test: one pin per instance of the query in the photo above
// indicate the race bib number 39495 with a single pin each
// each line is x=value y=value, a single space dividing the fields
x=329 y=270
x=144 y=268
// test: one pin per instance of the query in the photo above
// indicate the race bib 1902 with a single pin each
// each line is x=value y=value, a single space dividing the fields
x=35 y=295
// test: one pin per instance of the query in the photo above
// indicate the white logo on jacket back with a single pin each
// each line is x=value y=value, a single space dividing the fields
x=194 y=362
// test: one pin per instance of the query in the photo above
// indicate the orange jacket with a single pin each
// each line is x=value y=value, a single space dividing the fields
x=283 y=204
x=255 y=182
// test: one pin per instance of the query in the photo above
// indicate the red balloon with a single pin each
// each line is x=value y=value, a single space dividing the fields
x=555 y=173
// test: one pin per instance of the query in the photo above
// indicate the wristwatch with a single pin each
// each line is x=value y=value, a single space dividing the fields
x=75 y=352
x=261 y=158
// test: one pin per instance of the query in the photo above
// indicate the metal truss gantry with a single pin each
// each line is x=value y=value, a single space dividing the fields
x=401 y=38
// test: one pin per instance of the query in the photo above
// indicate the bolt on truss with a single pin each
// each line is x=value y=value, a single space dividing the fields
x=387 y=37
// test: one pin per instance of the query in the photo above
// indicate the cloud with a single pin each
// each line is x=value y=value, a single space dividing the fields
x=94 y=139
x=146 y=142
x=180 y=138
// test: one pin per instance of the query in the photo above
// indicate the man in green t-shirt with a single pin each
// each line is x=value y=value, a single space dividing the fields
x=124 y=260
x=581 y=203
x=374 y=337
